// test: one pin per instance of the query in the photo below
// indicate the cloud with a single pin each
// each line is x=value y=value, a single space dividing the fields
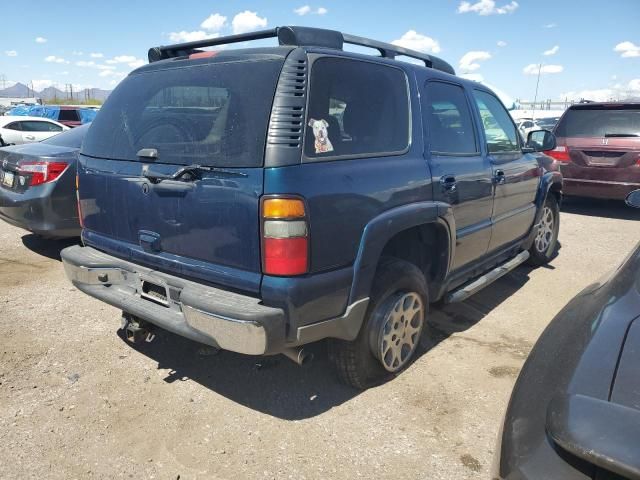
x=214 y=22
x=627 y=49
x=532 y=69
x=476 y=77
x=184 y=36
x=111 y=73
x=11 y=53
x=96 y=55
x=39 y=85
x=77 y=53
x=550 y=25
x=552 y=51
x=84 y=63
x=306 y=9
x=40 y=40
x=469 y=61
x=247 y=21
x=54 y=59
x=416 y=41
x=130 y=60
x=501 y=43
x=487 y=7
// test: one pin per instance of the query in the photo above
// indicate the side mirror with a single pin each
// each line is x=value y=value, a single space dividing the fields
x=633 y=199
x=541 y=140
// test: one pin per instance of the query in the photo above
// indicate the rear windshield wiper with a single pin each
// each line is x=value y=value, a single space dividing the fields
x=608 y=135
x=189 y=169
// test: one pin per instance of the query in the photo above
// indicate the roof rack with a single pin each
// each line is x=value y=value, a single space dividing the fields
x=301 y=36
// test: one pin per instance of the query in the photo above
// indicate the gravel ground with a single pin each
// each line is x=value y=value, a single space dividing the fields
x=77 y=401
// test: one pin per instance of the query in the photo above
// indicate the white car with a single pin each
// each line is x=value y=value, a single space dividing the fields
x=16 y=130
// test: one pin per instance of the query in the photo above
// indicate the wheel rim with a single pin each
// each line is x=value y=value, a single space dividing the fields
x=400 y=331
x=545 y=230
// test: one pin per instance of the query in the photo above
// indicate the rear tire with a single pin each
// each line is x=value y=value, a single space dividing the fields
x=390 y=334
x=545 y=242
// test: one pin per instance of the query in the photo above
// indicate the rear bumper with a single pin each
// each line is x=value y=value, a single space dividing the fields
x=606 y=189
x=202 y=313
x=42 y=210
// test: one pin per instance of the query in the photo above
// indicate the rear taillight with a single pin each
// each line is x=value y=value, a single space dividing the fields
x=560 y=153
x=42 y=172
x=285 y=237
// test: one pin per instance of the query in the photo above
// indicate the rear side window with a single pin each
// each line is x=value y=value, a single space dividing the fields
x=600 y=121
x=69 y=115
x=36 y=126
x=214 y=114
x=499 y=130
x=356 y=108
x=71 y=138
x=14 y=126
x=449 y=120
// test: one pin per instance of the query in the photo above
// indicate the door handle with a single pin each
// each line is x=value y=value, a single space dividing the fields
x=29 y=137
x=499 y=178
x=448 y=183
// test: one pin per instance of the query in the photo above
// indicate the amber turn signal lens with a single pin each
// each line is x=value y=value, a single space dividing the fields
x=282 y=208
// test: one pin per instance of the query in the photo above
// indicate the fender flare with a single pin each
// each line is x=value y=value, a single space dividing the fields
x=379 y=230
x=547 y=181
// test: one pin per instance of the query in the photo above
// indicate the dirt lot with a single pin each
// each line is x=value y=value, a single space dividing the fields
x=77 y=401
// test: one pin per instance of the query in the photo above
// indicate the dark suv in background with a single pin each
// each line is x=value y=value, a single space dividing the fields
x=598 y=149
x=261 y=199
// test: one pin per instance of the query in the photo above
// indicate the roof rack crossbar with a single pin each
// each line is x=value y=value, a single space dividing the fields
x=169 y=51
x=388 y=50
x=301 y=36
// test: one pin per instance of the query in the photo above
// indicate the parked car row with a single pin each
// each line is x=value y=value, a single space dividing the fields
x=19 y=130
x=274 y=197
x=70 y=116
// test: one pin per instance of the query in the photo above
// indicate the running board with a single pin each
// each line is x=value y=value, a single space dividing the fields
x=479 y=283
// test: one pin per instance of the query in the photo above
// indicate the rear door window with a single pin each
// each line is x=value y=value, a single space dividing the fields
x=356 y=108
x=448 y=119
x=600 y=121
x=71 y=138
x=38 y=126
x=499 y=129
x=212 y=114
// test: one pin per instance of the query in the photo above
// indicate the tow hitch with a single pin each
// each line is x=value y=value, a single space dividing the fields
x=136 y=330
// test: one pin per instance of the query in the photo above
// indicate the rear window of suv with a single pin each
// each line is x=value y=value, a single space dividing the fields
x=600 y=121
x=214 y=114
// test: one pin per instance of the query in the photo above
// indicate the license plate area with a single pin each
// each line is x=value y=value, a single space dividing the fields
x=8 y=178
x=154 y=293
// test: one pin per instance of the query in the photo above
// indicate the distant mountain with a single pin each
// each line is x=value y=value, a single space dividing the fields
x=50 y=93
x=20 y=90
x=17 y=90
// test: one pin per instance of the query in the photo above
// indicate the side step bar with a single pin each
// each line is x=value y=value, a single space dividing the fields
x=465 y=291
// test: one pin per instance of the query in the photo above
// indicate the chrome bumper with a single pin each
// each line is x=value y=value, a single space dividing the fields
x=216 y=317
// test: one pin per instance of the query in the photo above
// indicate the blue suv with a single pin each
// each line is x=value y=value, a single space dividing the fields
x=260 y=199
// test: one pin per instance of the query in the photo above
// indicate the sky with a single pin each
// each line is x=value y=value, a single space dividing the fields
x=588 y=49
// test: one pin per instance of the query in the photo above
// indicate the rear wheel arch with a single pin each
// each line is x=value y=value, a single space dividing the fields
x=418 y=233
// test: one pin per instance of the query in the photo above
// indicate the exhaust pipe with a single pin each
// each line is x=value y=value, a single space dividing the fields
x=298 y=355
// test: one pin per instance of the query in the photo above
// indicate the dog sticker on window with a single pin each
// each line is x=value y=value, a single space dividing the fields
x=321 y=135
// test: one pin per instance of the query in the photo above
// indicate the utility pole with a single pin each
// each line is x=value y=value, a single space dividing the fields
x=535 y=97
x=3 y=79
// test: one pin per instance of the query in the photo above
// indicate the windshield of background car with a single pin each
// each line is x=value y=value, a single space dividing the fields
x=212 y=114
x=600 y=121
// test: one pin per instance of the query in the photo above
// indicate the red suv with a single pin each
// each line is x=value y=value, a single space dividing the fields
x=598 y=149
